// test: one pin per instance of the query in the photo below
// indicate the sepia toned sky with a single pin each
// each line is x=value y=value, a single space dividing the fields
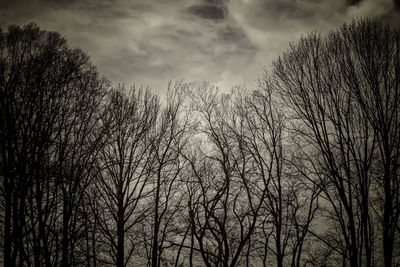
x=225 y=42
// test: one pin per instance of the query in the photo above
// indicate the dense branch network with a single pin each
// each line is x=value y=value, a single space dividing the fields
x=303 y=170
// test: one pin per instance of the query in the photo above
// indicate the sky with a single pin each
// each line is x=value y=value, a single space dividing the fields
x=225 y=42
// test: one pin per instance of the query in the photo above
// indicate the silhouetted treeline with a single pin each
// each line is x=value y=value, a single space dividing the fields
x=301 y=171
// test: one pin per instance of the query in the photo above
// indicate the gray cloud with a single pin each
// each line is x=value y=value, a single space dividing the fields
x=225 y=42
x=208 y=11
x=353 y=2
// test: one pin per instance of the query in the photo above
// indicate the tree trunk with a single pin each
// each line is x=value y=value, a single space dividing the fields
x=387 y=216
x=154 y=250
x=120 y=234
x=65 y=236
x=7 y=225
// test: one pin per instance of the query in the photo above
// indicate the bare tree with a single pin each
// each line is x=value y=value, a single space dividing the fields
x=343 y=92
x=227 y=200
x=40 y=76
x=372 y=63
x=125 y=166
x=79 y=140
x=170 y=139
x=291 y=202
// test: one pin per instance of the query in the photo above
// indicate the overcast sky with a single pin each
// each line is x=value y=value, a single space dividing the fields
x=225 y=42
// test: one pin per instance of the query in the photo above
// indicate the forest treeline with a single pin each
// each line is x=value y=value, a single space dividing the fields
x=301 y=171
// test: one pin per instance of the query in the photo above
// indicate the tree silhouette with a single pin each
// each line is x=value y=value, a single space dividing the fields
x=303 y=169
x=125 y=164
x=43 y=82
x=343 y=90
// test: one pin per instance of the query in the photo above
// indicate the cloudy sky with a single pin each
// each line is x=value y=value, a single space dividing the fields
x=225 y=42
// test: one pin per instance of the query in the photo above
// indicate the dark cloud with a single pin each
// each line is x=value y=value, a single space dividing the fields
x=290 y=9
x=215 y=2
x=353 y=2
x=275 y=15
x=36 y=3
x=207 y=11
x=150 y=42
